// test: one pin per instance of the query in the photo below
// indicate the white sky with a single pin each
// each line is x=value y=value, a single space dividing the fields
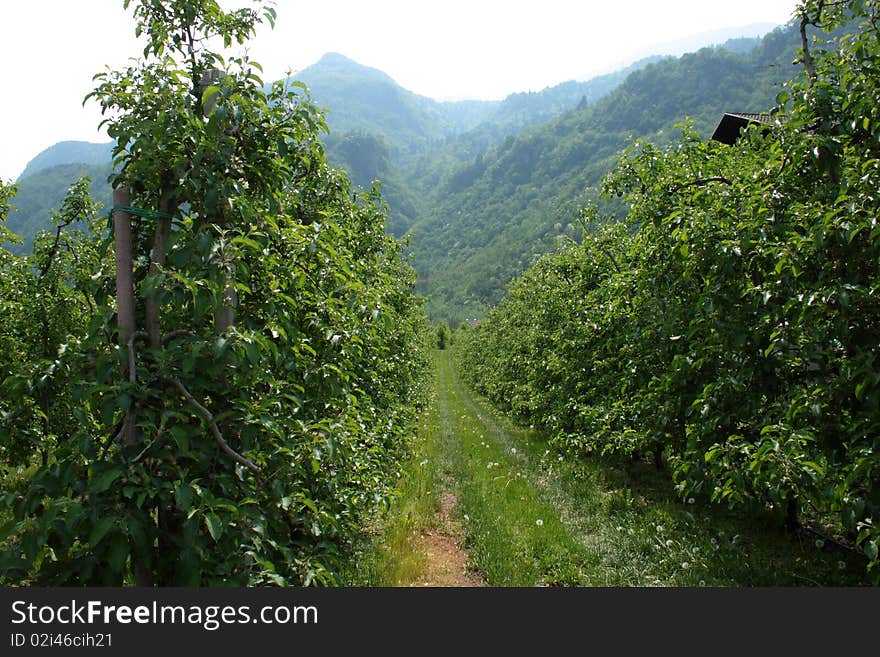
x=50 y=49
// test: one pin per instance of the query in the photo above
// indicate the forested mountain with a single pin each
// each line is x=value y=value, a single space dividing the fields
x=363 y=99
x=490 y=218
x=379 y=130
x=360 y=99
x=45 y=180
x=41 y=193
x=68 y=152
x=484 y=186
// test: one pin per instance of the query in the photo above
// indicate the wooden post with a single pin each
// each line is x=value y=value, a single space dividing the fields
x=127 y=326
x=124 y=281
x=124 y=292
x=225 y=317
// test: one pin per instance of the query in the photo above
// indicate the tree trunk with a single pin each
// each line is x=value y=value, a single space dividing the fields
x=124 y=291
x=792 y=522
x=127 y=327
x=225 y=317
x=157 y=261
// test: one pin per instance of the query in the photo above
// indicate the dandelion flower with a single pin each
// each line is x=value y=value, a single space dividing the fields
x=539 y=522
x=685 y=565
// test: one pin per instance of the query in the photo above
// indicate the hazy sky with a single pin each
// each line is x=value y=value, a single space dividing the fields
x=486 y=49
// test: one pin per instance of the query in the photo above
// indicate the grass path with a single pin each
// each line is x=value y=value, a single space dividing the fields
x=485 y=501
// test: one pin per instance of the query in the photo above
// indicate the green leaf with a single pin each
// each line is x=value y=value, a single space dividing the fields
x=183 y=496
x=181 y=437
x=209 y=99
x=248 y=242
x=102 y=482
x=151 y=284
x=100 y=530
x=118 y=552
x=253 y=353
x=862 y=387
x=214 y=525
x=136 y=532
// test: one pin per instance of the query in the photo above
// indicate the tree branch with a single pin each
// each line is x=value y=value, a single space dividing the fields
x=809 y=65
x=173 y=335
x=157 y=262
x=610 y=256
x=701 y=182
x=126 y=430
x=54 y=250
x=132 y=373
x=212 y=425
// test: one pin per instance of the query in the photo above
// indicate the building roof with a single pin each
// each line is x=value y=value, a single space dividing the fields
x=733 y=123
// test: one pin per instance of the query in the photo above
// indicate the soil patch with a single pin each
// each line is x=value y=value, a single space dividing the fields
x=447 y=559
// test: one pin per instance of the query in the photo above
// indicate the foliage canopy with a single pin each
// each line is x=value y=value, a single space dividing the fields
x=730 y=325
x=256 y=416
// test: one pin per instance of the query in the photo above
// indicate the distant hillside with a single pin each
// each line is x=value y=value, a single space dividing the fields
x=366 y=100
x=496 y=214
x=381 y=131
x=484 y=186
x=68 y=152
x=378 y=131
x=41 y=192
x=523 y=110
x=449 y=165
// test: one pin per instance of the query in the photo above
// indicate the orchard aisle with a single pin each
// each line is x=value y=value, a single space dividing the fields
x=517 y=531
x=487 y=503
x=525 y=515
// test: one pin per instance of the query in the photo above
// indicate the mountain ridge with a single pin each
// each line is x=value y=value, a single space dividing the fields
x=485 y=186
x=518 y=200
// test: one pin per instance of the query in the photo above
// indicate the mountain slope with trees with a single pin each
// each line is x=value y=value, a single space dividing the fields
x=485 y=187
x=43 y=191
x=69 y=152
x=377 y=131
x=490 y=219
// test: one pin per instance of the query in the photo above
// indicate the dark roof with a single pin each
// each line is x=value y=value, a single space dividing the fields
x=733 y=123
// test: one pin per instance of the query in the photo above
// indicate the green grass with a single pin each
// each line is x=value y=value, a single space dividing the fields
x=533 y=516
x=390 y=553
